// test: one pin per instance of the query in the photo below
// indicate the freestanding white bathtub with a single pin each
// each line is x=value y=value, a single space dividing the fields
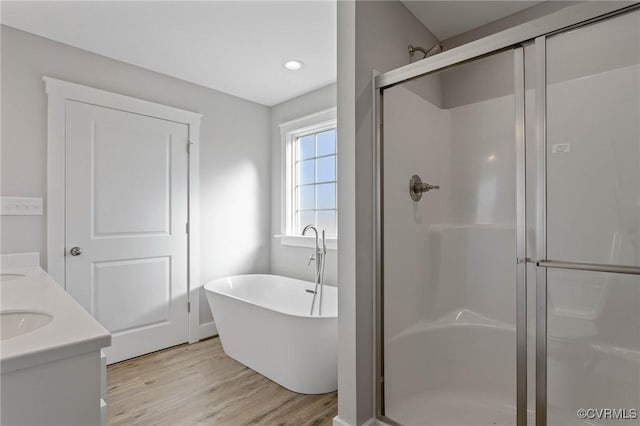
x=264 y=323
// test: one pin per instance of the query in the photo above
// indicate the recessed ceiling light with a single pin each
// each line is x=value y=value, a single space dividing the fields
x=293 y=65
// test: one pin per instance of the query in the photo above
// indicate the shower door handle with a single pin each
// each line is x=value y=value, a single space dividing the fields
x=416 y=187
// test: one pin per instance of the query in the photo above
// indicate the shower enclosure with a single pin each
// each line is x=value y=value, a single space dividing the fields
x=509 y=281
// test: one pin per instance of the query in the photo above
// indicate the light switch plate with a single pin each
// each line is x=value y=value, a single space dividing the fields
x=20 y=206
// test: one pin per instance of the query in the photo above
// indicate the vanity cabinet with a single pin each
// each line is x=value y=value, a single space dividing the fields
x=53 y=370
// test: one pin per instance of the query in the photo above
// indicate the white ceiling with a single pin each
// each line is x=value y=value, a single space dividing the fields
x=237 y=47
x=446 y=19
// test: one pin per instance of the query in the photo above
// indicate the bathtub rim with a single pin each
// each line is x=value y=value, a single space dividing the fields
x=207 y=287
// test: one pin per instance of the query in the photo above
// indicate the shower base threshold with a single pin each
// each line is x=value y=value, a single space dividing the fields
x=450 y=408
x=453 y=409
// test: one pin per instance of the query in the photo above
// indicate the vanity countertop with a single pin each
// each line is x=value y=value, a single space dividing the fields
x=71 y=332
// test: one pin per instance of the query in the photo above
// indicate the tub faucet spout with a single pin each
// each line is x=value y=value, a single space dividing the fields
x=318 y=256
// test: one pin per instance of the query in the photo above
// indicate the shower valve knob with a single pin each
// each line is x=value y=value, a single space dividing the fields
x=416 y=187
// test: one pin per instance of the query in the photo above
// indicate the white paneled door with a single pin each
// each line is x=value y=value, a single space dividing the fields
x=126 y=225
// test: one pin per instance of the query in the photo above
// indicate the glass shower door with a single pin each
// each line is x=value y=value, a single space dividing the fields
x=449 y=253
x=593 y=224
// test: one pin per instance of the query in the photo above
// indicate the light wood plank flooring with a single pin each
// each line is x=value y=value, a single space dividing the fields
x=199 y=385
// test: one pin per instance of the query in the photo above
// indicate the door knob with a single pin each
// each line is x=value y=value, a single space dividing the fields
x=75 y=251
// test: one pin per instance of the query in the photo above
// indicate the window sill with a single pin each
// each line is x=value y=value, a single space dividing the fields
x=306 y=241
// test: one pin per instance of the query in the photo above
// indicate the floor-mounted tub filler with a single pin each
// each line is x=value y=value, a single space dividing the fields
x=264 y=323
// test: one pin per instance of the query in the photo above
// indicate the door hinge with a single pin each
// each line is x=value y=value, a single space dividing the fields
x=188 y=306
x=189 y=147
x=187 y=228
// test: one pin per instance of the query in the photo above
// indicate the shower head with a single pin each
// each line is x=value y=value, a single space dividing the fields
x=433 y=51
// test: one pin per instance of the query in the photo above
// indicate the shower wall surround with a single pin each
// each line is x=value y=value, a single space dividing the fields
x=449 y=259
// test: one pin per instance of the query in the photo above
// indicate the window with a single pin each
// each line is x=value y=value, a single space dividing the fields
x=311 y=180
x=315 y=197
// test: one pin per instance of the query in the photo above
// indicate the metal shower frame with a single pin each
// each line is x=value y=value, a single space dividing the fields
x=513 y=39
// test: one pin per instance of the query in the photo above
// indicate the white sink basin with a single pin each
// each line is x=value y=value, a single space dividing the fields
x=10 y=277
x=17 y=323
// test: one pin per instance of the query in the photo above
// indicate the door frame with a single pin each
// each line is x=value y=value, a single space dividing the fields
x=58 y=93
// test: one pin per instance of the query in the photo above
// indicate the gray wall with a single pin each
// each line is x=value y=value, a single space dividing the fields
x=478 y=80
x=288 y=260
x=459 y=88
x=347 y=361
x=377 y=34
x=521 y=17
x=234 y=152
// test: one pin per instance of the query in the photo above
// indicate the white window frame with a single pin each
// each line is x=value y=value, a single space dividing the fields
x=289 y=133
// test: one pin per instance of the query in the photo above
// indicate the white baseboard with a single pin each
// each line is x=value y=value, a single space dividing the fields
x=337 y=421
x=208 y=329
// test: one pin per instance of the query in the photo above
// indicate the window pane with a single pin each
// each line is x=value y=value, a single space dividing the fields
x=326 y=169
x=315 y=196
x=327 y=221
x=326 y=196
x=326 y=143
x=306 y=147
x=304 y=219
x=306 y=172
x=306 y=197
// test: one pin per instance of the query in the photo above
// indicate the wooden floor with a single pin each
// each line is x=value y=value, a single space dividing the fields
x=199 y=385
